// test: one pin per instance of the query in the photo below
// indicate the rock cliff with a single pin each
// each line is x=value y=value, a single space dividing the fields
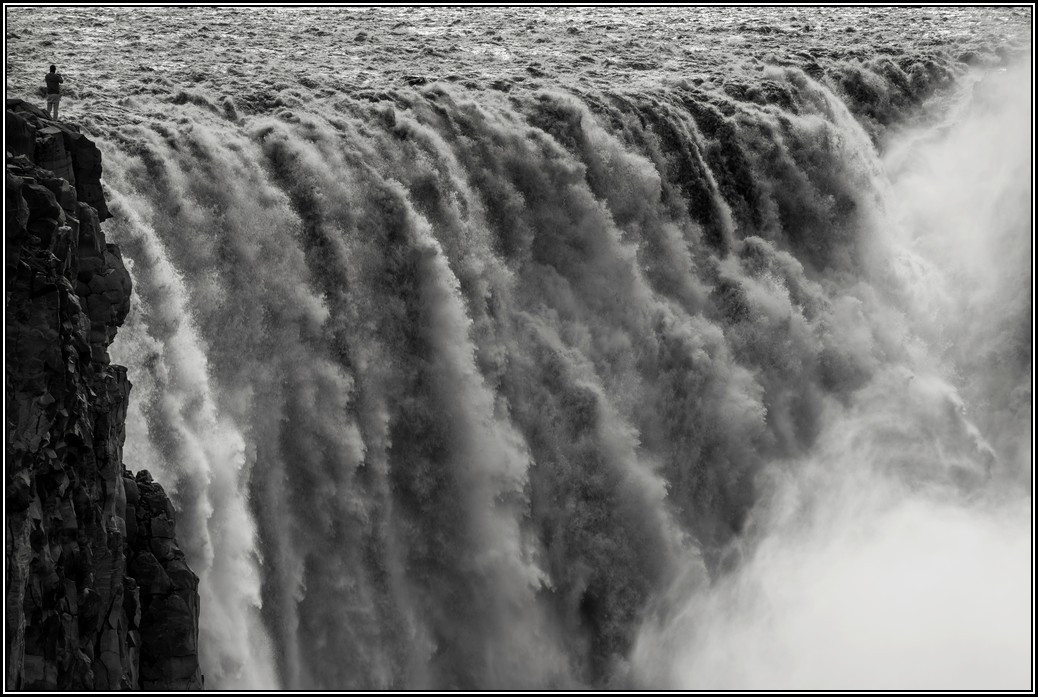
x=98 y=593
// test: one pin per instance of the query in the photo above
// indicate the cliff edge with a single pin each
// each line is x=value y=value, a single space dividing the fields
x=98 y=593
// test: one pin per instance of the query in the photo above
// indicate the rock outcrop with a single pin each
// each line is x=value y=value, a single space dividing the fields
x=98 y=594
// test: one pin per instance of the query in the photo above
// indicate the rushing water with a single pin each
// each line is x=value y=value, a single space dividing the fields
x=685 y=385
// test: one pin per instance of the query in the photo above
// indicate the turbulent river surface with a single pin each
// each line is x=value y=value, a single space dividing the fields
x=558 y=348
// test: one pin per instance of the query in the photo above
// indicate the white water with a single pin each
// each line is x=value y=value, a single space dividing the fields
x=460 y=392
x=868 y=574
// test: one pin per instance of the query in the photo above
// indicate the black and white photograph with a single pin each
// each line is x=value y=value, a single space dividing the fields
x=496 y=348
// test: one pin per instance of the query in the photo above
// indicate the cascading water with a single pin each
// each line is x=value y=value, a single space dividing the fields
x=694 y=387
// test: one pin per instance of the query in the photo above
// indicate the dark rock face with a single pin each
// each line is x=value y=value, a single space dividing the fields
x=61 y=148
x=98 y=593
x=168 y=589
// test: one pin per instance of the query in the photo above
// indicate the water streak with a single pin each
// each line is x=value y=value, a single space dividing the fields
x=473 y=390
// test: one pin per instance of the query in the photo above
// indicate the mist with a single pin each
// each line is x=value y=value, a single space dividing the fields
x=898 y=554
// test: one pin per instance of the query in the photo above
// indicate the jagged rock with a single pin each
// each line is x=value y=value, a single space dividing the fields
x=86 y=160
x=65 y=194
x=51 y=153
x=150 y=575
x=21 y=135
x=182 y=577
x=23 y=108
x=41 y=202
x=88 y=605
x=60 y=148
x=169 y=593
x=162 y=527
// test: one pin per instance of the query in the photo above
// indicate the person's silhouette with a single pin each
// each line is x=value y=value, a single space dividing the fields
x=54 y=79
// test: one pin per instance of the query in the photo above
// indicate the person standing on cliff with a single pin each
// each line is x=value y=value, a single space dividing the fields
x=54 y=79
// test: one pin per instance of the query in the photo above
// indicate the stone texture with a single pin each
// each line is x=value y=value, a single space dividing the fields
x=58 y=147
x=168 y=591
x=89 y=603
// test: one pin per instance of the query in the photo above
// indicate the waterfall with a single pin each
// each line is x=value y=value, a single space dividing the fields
x=465 y=389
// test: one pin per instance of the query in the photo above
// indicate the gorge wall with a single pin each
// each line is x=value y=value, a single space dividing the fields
x=98 y=594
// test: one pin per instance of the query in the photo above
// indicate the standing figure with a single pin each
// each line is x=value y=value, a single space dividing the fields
x=53 y=91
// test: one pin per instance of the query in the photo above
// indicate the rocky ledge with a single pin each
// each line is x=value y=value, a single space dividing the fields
x=99 y=596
